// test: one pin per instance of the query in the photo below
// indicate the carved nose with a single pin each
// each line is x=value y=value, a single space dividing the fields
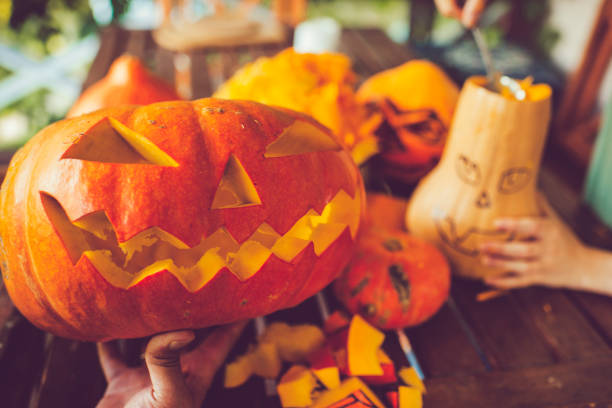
x=483 y=200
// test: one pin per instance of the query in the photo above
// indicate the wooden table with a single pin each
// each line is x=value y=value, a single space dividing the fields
x=534 y=347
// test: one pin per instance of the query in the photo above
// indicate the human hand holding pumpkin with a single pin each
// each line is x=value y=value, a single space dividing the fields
x=468 y=14
x=551 y=255
x=171 y=378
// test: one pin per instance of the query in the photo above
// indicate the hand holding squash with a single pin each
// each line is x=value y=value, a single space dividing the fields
x=468 y=14
x=171 y=378
x=551 y=255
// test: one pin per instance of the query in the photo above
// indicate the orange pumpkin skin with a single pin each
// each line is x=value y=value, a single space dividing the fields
x=394 y=280
x=72 y=298
x=417 y=100
x=128 y=82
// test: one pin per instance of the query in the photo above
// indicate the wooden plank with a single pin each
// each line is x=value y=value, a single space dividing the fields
x=598 y=310
x=443 y=348
x=390 y=53
x=562 y=385
x=137 y=42
x=72 y=376
x=164 y=64
x=109 y=38
x=365 y=61
x=509 y=340
x=566 y=331
x=21 y=366
x=201 y=86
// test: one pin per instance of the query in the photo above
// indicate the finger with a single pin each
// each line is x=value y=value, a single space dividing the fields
x=448 y=8
x=510 y=281
x=472 y=11
x=162 y=357
x=510 y=265
x=527 y=226
x=202 y=363
x=514 y=249
x=110 y=361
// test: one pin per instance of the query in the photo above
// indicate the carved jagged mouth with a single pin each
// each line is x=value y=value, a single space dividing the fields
x=466 y=243
x=124 y=264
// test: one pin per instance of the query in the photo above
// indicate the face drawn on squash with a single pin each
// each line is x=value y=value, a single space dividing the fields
x=124 y=264
x=510 y=181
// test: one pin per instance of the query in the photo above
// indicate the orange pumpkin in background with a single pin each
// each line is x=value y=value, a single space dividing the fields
x=394 y=280
x=128 y=82
x=131 y=221
x=417 y=100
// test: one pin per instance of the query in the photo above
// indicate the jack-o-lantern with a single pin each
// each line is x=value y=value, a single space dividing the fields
x=135 y=220
x=128 y=82
x=417 y=100
x=489 y=169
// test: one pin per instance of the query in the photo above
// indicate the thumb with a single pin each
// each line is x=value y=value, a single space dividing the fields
x=162 y=357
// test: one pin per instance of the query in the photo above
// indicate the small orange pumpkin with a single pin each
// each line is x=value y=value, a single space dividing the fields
x=417 y=100
x=128 y=82
x=394 y=280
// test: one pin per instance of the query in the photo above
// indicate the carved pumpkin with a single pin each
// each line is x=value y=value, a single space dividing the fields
x=417 y=100
x=489 y=170
x=128 y=82
x=134 y=220
x=394 y=280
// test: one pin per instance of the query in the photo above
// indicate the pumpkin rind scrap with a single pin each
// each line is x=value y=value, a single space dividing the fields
x=489 y=170
x=97 y=250
x=128 y=82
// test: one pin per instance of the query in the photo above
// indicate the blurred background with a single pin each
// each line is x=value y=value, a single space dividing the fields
x=47 y=46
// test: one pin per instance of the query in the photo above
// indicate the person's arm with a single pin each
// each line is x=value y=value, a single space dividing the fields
x=551 y=255
x=468 y=14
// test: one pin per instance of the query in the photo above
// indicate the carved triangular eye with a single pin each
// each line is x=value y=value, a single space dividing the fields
x=235 y=188
x=299 y=138
x=110 y=141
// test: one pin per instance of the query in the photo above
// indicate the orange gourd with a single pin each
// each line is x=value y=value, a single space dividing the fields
x=135 y=220
x=394 y=280
x=128 y=82
x=489 y=169
x=417 y=100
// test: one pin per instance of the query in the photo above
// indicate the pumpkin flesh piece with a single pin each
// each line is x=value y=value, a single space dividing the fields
x=127 y=263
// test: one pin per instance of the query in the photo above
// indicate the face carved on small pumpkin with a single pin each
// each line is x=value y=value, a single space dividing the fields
x=510 y=181
x=124 y=264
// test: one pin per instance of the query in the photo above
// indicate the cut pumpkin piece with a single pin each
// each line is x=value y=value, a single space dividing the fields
x=336 y=321
x=410 y=377
x=410 y=397
x=294 y=343
x=296 y=387
x=351 y=393
x=239 y=371
x=328 y=376
x=388 y=376
x=362 y=342
x=266 y=361
x=393 y=399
